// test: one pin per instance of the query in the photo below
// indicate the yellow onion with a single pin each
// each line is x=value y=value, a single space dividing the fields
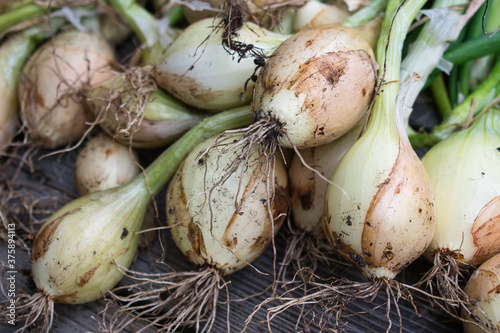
x=483 y=288
x=230 y=227
x=316 y=85
x=198 y=70
x=131 y=109
x=104 y=163
x=52 y=82
x=464 y=172
x=381 y=214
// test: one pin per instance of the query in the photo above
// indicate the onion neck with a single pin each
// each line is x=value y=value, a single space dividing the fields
x=162 y=169
x=397 y=21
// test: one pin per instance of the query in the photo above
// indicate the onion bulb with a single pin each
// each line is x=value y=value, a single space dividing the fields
x=104 y=163
x=309 y=173
x=483 y=288
x=198 y=70
x=316 y=86
x=52 y=85
x=220 y=229
x=134 y=111
x=77 y=252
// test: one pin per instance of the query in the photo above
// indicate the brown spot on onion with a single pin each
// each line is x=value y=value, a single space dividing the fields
x=87 y=276
x=42 y=242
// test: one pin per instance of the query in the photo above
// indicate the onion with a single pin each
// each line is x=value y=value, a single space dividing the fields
x=463 y=169
x=198 y=70
x=52 y=82
x=130 y=108
x=221 y=232
x=483 y=289
x=315 y=13
x=316 y=86
x=381 y=214
x=77 y=252
x=104 y=163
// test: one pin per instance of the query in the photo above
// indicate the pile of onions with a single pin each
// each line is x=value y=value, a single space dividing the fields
x=220 y=229
x=104 y=163
x=52 y=84
x=134 y=111
x=77 y=252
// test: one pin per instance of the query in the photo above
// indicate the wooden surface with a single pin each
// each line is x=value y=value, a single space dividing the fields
x=50 y=184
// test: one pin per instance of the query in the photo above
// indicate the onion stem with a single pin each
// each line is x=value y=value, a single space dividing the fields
x=399 y=16
x=366 y=14
x=162 y=169
x=438 y=89
x=21 y=14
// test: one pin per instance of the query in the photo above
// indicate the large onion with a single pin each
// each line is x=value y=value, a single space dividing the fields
x=316 y=85
x=52 y=82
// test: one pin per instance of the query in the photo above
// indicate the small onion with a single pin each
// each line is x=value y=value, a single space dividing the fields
x=52 y=83
x=131 y=109
x=315 y=13
x=104 y=163
x=483 y=288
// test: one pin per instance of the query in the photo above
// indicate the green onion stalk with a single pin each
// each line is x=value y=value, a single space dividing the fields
x=431 y=43
x=14 y=51
x=485 y=94
x=30 y=12
x=78 y=253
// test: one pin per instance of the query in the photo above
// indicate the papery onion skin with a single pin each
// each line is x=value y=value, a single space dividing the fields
x=238 y=236
x=198 y=70
x=465 y=175
x=52 y=83
x=157 y=120
x=317 y=85
x=76 y=252
x=104 y=163
x=484 y=287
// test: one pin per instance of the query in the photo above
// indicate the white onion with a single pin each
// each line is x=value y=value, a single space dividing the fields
x=52 y=82
x=104 y=163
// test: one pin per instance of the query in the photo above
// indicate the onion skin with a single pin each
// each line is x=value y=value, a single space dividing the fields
x=484 y=287
x=75 y=251
x=238 y=237
x=307 y=189
x=389 y=217
x=199 y=71
x=464 y=172
x=317 y=84
x=104 y=163
x=52 y=82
